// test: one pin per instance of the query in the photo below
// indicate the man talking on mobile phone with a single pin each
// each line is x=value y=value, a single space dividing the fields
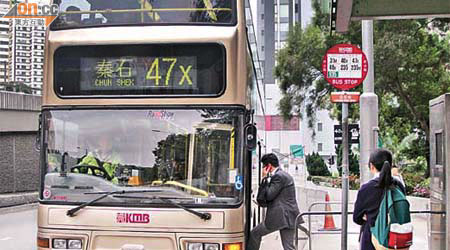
x=277 y=193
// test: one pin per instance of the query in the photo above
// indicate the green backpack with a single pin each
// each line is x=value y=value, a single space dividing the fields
x=393 y=227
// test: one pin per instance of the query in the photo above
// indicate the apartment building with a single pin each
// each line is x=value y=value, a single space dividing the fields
x=26 y=57
x=4 y=42
x=274 y=19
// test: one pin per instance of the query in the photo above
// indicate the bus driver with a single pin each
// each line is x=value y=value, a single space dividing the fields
x=101 y=154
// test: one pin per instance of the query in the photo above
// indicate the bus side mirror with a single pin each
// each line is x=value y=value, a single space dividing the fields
x=250 y=136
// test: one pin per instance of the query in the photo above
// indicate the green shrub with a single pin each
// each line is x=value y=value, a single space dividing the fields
x=336 y=182
x=416 y=185
x=413 y=175
x=354 y=182
x=316 y=165
x=422 y=189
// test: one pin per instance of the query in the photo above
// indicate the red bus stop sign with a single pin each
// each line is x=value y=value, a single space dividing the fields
x=344 y=66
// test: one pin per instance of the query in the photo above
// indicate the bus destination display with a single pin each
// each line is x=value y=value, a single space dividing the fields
x=138 y=73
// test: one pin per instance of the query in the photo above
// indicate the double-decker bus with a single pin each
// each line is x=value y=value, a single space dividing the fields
x=147 y=131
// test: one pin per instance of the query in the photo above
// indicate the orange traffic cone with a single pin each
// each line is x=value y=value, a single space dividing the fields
x=328 y=225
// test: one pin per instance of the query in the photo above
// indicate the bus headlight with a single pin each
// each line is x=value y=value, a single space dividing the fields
x=75 y=244
x=210 y=246
x=59 y=243
x=195 y=246
x=203 y=246
x=67 y=244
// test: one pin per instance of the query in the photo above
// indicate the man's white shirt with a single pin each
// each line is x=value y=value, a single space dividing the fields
x=273 y=172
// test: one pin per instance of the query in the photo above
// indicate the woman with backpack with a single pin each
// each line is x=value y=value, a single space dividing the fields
x=371 y=194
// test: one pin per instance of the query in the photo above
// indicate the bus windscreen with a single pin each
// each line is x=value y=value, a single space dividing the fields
x=94 y=13
x=184 y=153
x=117 y=70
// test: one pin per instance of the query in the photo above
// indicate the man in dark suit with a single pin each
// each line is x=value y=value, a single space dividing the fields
x=277 y=192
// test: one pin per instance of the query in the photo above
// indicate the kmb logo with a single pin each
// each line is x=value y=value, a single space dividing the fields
x=133 y=218
x=34 y=11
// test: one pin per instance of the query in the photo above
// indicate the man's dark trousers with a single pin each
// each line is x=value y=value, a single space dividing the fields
x=281 y=212
x=287 y=237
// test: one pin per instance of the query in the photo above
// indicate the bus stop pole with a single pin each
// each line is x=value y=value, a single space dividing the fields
x=345 y=163
x=368 y=105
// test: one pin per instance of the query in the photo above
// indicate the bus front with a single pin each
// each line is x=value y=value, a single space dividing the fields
x=142 y=129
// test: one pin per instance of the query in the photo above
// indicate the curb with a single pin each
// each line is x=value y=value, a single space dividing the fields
x=17 y=199
x=18 y=208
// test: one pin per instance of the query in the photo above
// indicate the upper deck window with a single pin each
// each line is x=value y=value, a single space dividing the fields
x=94 y=13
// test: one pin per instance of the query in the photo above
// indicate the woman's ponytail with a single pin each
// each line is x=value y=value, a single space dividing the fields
x=385 y=176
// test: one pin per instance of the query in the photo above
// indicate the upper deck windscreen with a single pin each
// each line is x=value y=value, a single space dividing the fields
x=94 y=13
x=140 y=70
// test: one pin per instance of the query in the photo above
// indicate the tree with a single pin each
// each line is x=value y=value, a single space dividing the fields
x=170 y=149
x=411 y=67
x=18 y=87
x=353 y=166
x=316 y=165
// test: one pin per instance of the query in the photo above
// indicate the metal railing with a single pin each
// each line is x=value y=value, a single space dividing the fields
x=309 y=214
x=337 y=231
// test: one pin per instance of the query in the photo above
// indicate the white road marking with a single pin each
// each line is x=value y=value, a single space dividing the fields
x=7 y=238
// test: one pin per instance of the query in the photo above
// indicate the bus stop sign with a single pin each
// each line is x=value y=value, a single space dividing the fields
x=344 y=66
x=353 y=134
x=349 y=97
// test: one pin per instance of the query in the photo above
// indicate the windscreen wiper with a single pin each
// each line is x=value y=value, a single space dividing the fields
x=72 y=211
x=203 y=216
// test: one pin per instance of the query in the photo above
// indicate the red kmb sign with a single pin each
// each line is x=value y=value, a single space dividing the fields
x=344 y=66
